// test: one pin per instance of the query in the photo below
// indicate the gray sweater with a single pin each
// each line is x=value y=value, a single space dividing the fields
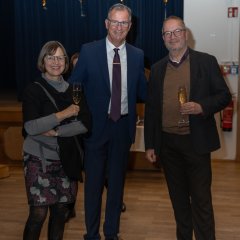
x=35 y=129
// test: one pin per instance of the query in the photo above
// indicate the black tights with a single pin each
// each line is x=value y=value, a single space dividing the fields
x=56 y=223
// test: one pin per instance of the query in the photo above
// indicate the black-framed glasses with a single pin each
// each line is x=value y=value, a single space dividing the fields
x=176 y=33
x=115 y=23
x=51 y=58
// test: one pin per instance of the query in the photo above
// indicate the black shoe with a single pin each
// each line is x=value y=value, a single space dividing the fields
x=72 y=214
x=124 y=207
x=113 y=238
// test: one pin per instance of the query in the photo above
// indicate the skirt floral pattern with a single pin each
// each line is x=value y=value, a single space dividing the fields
x=49 y=187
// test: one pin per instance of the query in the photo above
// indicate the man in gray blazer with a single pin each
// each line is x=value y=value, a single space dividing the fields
x=181 y=130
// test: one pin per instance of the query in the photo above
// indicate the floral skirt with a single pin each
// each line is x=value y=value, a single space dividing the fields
x=50 y=186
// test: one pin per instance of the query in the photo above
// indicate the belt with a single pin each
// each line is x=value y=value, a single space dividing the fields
x=122 y=115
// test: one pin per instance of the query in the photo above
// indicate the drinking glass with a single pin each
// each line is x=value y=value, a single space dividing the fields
x=182 y=98
x=76 y=94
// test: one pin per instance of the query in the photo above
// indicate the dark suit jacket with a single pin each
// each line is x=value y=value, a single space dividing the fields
x=92 y=71
x=207 y=87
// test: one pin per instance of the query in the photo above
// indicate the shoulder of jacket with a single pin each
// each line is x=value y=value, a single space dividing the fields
x=133 y=48
x=161 y=62
x=94 y=44
x=198 y=54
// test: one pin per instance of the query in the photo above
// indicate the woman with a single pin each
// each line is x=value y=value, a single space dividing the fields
x=49 y=116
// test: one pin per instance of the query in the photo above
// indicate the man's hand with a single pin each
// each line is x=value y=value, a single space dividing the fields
x=191 y=108
x=150 y=155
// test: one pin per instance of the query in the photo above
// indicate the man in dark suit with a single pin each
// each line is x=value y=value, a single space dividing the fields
x=182 y=132
x=107 y=149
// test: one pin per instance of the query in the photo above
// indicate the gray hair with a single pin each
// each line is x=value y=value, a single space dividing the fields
x=120 y=7
x=173 y=18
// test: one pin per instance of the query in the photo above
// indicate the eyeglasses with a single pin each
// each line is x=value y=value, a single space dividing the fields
x=52 y=59
x=176 y=33
x=114 y=23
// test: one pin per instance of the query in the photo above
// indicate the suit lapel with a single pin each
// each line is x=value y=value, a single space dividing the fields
x=130 y=66
x=160 y=74
x=103 y=63
x=194 y=70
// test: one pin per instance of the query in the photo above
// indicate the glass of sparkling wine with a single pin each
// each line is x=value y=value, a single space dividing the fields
x=76 y=93
x=182 y=98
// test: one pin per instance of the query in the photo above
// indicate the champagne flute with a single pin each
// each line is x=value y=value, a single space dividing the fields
x=76 y=93
x=182 y=98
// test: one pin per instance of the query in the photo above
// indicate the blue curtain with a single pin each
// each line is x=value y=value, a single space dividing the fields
x=62 y=21
x=7 y=66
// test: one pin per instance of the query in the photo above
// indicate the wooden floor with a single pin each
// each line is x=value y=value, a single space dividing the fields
x=149 y=215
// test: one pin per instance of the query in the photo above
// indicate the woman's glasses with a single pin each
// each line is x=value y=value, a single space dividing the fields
x=52 y=59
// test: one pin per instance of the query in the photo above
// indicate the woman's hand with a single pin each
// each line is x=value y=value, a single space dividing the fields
x=51 y=133
x=70 y=111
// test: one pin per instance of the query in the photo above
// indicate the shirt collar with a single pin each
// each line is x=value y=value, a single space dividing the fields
x=184 y=57
x=110 y=46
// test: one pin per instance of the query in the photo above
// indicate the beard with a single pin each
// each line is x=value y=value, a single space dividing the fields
x=175 y=47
